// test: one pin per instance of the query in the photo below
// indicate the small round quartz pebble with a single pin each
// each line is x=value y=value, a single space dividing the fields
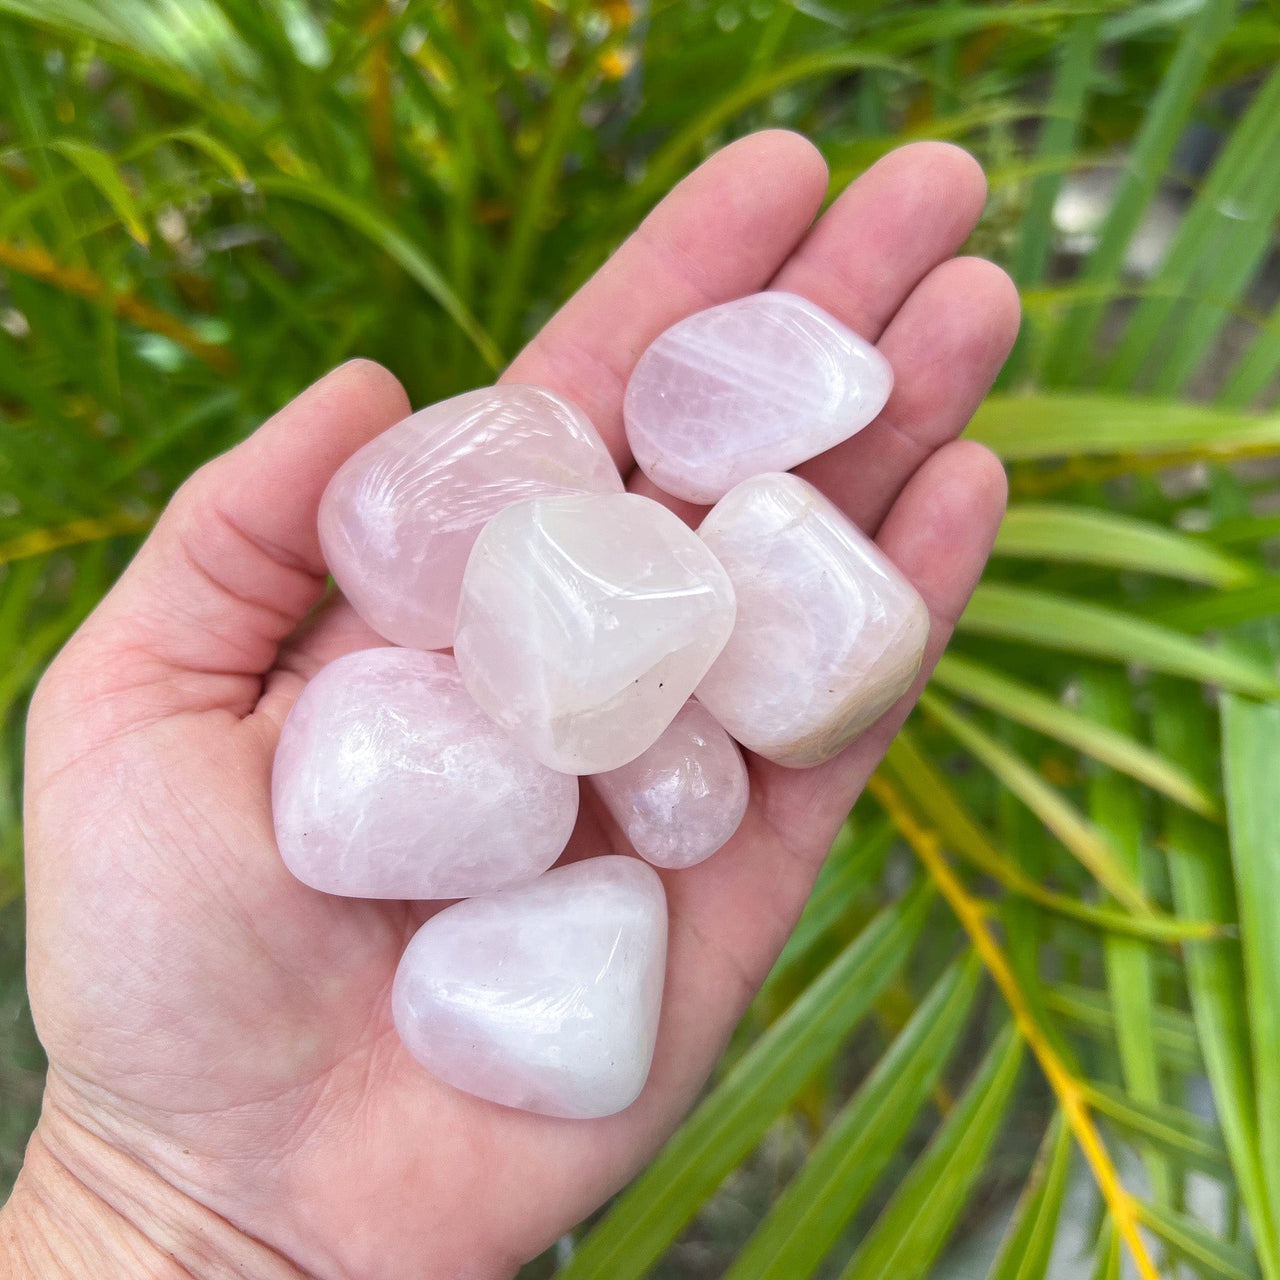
x=389 y=782
x=829 y=633
x=586 y=621
x=758 y=384
x=546 y=996
x=682 y=799
x=398 y=520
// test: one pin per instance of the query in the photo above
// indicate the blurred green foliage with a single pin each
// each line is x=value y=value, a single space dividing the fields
x=1050 y=927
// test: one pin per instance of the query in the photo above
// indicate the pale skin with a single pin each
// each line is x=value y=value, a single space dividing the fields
x=226 y=1093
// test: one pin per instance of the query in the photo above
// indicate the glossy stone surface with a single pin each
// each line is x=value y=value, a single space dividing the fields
x=389 y=782
x=829 y=633
x=398 y=520
x=546 y=996
x=758 y=384
x=586 y=621
x=680 y=800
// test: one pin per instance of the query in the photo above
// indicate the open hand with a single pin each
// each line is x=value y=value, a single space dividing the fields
x=226 y=1089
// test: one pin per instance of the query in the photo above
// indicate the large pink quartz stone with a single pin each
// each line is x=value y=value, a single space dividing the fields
x=398 y=520
x=545 y=996
x=586 y=621
x=389 y=782
x=759 y=384
x=829 y=633
x=680 y=800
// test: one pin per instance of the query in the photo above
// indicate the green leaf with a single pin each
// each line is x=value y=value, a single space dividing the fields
x=1083 y=535
x=649 y=1216
x=909 y=1234
x=1027 y=1248
x=101 y=170
x=1047 y=803
x=1140 y=176
x=1177 y=1133
x=1026 y=705
x=963 y=834
x=1210 y=1257
x=808 y=1218
x=1032 y=428
x=1115 y=805
x=1250 y=759
x=1218 y=245
x=377 y=228
x=1075 y=626
x=1200 y=876
x=1174 y=1033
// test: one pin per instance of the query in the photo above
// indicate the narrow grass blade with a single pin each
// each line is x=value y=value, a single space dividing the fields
x=1085 y=535
x=1200 y=877
x=658 y=1205
x=1084 y=840
x=908 y=766
x=101 y=170
x=1026 y=705
x=1027 y=1248
x=1250 y=757
x=1115 y=805
x=1140 y=177
x=807 y=1219
x=1218 y=245
x=1076 y=626
x=1066 y=1086
x=909 y=1234
x=1033 y=428
x=378 y=229
x=1173 y=1033
x=1177 y=1133
x=1208 y=1256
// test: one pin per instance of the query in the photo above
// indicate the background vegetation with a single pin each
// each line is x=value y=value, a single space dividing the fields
x=1041 y=969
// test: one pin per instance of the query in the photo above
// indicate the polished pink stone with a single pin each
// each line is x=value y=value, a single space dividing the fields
x=545 y=996
x=684 y=797
x=586 y=621
x=829 y=633
x=398 y=520
x=758 y=384
x=389 y=782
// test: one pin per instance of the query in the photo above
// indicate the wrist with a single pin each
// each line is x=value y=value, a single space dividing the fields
x=83 y=1209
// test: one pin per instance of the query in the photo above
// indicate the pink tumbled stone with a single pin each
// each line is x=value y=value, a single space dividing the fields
x=398 y=520
x=545 y=996
x=829 y=633
x=389 y=782
x=683 y=798
x=585 y=622
x=758 y=384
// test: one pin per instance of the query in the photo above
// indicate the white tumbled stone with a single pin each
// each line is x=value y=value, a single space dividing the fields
x=545 y=996
x=586 y=621
x=829 y=633
x=389 y=782
x=399 y=518
x=754 y=385
x=683 y=798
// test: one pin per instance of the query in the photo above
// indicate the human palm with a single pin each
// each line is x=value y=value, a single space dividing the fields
x=216 y=1024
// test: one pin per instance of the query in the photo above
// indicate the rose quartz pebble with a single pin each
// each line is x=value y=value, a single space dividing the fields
x=545 y=996
x=398 y=520
x=586 y=621
x=389 y=782
x=758 y=384
x=829 y=633
x=680 y=800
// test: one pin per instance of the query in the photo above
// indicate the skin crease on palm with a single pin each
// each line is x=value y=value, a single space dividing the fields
x=226 y=1089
